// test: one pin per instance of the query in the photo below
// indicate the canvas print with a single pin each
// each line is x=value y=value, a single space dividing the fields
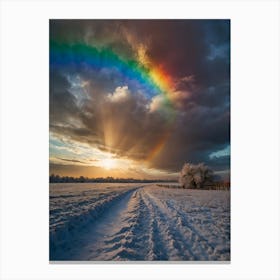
x=139 y=140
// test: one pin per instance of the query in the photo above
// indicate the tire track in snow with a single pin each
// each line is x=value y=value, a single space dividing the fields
x=131 y=241
x=156 y=245
x=66 y=240
x=195 y=241
x=200 y=245
x=121 y=234
x=170 y=236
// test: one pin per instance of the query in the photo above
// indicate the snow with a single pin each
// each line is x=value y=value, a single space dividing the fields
x=104 y=222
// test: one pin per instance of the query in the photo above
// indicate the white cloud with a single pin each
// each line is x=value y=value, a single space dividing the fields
x=120 y=94
x=188 y=79
x=220 y=153
x=156 y=103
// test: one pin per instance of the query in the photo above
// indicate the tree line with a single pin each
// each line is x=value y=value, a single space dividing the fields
x=68 y=179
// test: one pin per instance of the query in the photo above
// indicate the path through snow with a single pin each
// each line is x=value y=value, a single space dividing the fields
x=152 y=223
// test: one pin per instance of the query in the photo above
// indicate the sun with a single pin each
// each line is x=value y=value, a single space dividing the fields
x=108 y=163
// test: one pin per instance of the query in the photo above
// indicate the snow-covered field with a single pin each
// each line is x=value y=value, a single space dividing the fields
x=103 y=222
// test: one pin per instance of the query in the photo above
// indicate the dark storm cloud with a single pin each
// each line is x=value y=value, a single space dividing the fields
x=62 y=102
x=109 y=33
x=198 y=133
x=196 y=56
x=187 y=47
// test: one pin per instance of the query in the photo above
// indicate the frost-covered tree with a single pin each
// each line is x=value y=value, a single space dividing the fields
x=195 y=176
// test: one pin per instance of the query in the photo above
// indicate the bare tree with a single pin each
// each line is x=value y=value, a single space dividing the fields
x=195 y=176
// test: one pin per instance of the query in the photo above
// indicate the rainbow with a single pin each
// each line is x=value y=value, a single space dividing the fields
x=152 y=79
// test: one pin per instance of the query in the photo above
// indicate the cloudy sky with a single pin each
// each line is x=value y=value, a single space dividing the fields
x=138 y=98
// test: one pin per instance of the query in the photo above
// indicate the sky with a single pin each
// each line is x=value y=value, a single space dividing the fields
x=139 y=98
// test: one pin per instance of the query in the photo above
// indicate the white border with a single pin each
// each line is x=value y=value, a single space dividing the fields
x=254 y=146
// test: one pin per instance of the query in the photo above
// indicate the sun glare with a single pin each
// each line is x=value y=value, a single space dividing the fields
x=108 y=163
